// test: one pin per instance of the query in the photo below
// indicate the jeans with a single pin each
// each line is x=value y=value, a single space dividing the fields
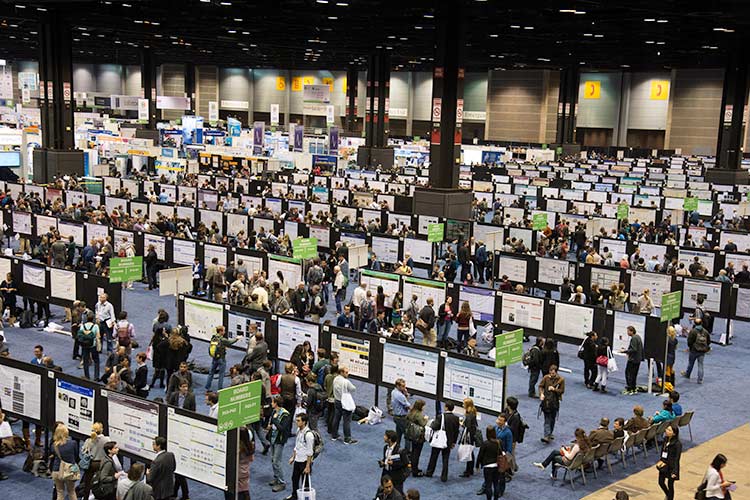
x=479 y=271
x=218 y=367
x=462 y=335
x=277 y=459
x=340 y=296
x=549 y=421
x=347 y=417
x=601 y=376
x=533 y=379
x=106 y=334
x=90 y=355
x=258 y=433
x=494 y=481
x=400 y=422
x=692 y=358
x=443 y=332
x=555 y=459
x=666 y=483
x=631 y=375
x=324 y=287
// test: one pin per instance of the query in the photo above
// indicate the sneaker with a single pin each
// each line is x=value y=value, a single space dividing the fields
x=626 y=392
x=545 y=440
x=350 y=441
x=278 y=487
x=336 y=438
x=700 y=381
x=551 y=437
x=539 y=464
x=684 y=374
x=273 y=483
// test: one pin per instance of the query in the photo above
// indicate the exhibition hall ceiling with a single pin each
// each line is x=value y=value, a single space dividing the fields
x=337 y=34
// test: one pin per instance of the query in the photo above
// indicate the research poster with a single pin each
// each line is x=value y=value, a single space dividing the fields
x=22 y=222
x=203 y=318
x=514 y=269
x=62 y=283
x=553 y=271
x=5 y=267
x=68 y=229
x=96 y=231
x=266 y=225
x=623 y=320
x=522 y=311
x=743 y=303
x=210 y=217
x=21 y=392
x=386 y=249
x=353 y=239
x=420 y=250
x=709 y=290
x=657 y=284
x=292 y=333
x=211 y=251
x=183 y=252
x=617 y=247
x=159 y=243
x=236 y=223
x=688 y=255
x=290 y=268
x=200 y=451
x=353 y=353
x=419 y=368
x=466 y=379
x=572 y=320
x=34 y=276
x=322 y=234
x=74 y=406
x=740 y=239
x=389 y=282
x=737 y=260
x=424 y=289
x=524 y=235
x=240 y=325
x=605 y=278
x=481 y=300
x=424 y=222
x=649 y=250
x=133 y=423
x=45 y=224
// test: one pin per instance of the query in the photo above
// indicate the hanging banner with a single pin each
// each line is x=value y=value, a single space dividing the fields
x=333 y=140
x=274 y=114
x=330 y=120
x=143 y=110
x=315 y=98
x=234 y=126
x=299 y=134
x=25 y=96
x=280 y=83
x=213 y=111
x=259 y=129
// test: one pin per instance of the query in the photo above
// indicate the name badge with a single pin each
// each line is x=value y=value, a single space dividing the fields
x=664 y=454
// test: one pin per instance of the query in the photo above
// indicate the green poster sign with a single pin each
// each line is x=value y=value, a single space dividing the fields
x=623 y=210
x=508 y=348
x=239 y=405
x=305 y=248
x=690 y=204
x=671 y=306
x=123 y=269
x=539 y=222
x=435 y=232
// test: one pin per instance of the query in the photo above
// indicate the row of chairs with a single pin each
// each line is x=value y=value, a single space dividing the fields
x=621 y=447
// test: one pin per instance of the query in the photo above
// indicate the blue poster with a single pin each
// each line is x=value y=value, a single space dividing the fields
x=234 y=126
x=333 y=140
x=299 y=134
x=258 y=136
x=492 y=157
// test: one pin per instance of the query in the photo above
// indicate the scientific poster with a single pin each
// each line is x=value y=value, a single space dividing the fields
x=62 y=284
x=34 y=276
x=419 y=367
x=203 y=317
x=200 y=451
x=656 y=283
x=21 y=392
x=605 y=277
x=709 y=290
x=572 y=320
x=688 y=255
x=386 y=249
x=617 y=247
x=5 y=267
x=743 y=303
x=240 y=325
x=623 y=320
x=68 y=229
x=292 y=333
x=159 y=243
x=514 y=269
x=353 y=353
x=322 y=234
x=133 y=423
x=22 y=223
x=290 y=269
x=183 y=252
x=424 y=289
x=522 y=311
x=74 y=406
x=467 y=379
x=553 y=271
x=481 y=300
x=420 y=250
x=211 y=251
x=236 y=223
x=389 y=282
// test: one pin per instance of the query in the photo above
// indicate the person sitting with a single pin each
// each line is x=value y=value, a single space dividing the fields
x=674 y=397
x=637 y=422
x=471 y=348
x=601 y=436
x=665 y=413
x=566 y=454
x=618 y=428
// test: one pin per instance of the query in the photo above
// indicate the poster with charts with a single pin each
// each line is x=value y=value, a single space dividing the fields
x=386 y=249
x=514 y=269
x=623 y=320
x=553 y=271
x=22 y=223
x=236 y=223
x=203 y=317
x=322 y=234
x=743 y=303
x=481 y=300
x=657 y=284
x=159 y=243
x=5 y=267
x=424 y=289
x=45 y=224
x=420 y=250
x=687 y=256
x=96 y=232
x=34 y=276
x=211 y=251
x=572 y=320
x=21 y=392
x=617 y=247
x=290 y=268
x=709 y=290
x=605 y=277
x=467 y=379
x=240 y=325
x=292 y=333
x=68 y=229
x=200 y=451
x=62 y=284
x=419 y=368
x=74 y=406
x=353 y=353
x=522 y=311
x=424 y=223
x=389 y=282
x=183 y=252
x=132 y=422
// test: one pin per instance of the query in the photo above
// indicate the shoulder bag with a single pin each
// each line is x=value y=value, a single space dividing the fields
x=611 y=361
x=347 y=401
x=465 y=449
x=439 y=438
x=67 y=471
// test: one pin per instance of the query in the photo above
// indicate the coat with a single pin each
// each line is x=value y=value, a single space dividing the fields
x=161 y=475
x=670 y=455
x=189 y=404
x=451 y=427
x=399 y=470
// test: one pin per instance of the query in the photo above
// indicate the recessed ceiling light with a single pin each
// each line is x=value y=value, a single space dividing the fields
x=624 y=65
x=567 y=11
x=238 y=19
x=126 y=5
x=588 y=34
x=342 y=4
x=20 y=6
x=579 y=12
x=332 y=18
x=598 y=36
x=649 y=20
x=403 y=38
x=418 y=27
x=528 y=27
x=245 y=32
x=322 y=1
x=650 y=41
x=660 y=43
x=494 y=35
x=41 y=9
x=515 y=26
x=232 y=31
x=137 y=21
x=543 y=59
x=429 y=16
x=581 y=62
x=663 y=21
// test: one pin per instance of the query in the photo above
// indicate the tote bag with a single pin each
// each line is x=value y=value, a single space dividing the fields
x=440 y=437
x=347 y=402
x=611 y=361
x=465 y=449
x=306 y=491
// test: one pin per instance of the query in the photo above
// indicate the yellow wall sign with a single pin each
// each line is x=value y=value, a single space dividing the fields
x=659 y=90
x=297 y=84
x=592 y=90
x=343 y=88
x=308 y=80
x=280 y=83
x=329 y=82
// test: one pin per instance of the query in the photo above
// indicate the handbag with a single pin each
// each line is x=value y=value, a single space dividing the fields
x=472 y=328
x=306 y=491
x=421 y=325
x=86 y=456
x=602 y=360
x=439 y=438
x=700 y=492
x=347 y=402
x=67 y=471
x=503 y=464
x=580 y=349
x=465 y=449
x=611 y=362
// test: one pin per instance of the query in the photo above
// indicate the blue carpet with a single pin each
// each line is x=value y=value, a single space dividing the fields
x=723 y=389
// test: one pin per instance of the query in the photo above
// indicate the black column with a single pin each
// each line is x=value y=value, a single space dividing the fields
x=352 y=82
x=378 y=87
x=56 y=76
x=566 y=108
x=148 y=84
x=190 y=86
x=447 y=96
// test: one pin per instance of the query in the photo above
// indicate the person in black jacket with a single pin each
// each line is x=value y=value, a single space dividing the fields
x=470 y=429
x=183 y=398
x=450 y=425
x=494 y=480
x=588 y=354
x=299 y=301
x=151 y=261
x=669 y=464
x=140 y=383
x=550 y=356
x=107 y=471
x=395 y=462
x=535 y=365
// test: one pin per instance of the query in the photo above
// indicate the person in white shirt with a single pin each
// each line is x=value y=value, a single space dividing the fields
x=341 y=385
x=716 y=485
x=359 y=296
x=212 y=401
x=105 y=318
x=261 y=292
x=339 y=288
x=302 y=456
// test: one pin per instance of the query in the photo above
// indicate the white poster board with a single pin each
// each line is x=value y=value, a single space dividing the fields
x=62 y=284
x=419 y=367
x=467 y=379
x=573 y=320
x=202 y=318
x=200 y=451
x=74 y=406
x=710 y=290
x=522 y=311
x=292 y=333
x=353 y=353
x=132 y=423
x=21 y=392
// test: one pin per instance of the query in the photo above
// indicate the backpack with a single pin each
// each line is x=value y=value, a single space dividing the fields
x=414 y=432
x=216 y=348
x=707 y=320
x=702 y=341
x=87 y=338
x=123 y=334
x=101 y=489
x=319 y=402
x=322 y=372
x=521 y=430
x=275 y=384
x=27 y=319
x=366 y=310
x=317 y=443
x=529 y=357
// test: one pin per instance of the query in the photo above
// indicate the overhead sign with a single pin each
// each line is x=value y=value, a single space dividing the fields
x=123 y=269
x=437 y=104
x=508 y=348
x=297 y=84
x=305 y=248
x=459 y=110
x=659 y=90
x=623 y=211
x=143 y=110
x=239 y=405
x=281 y=83
x=671 y=304
x=539 y=222
x=592 y=90
x=435 y=232
x=172 y=102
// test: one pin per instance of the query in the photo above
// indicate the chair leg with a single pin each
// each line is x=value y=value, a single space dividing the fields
x=583 y=474
x=609 y=465
x=690 y=428
x=624 y=456
x=594 y=465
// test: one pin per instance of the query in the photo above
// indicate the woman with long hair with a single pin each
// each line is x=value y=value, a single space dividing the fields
x=716 y=486
x=416 y=417
x=65 y=470
x=566 y=454
x=246 y=453
x=669 y=464
x=94 y=447
x=396 y=304
x=445 y=319
x=470 y=426
x=463 y=324
x=494 y=480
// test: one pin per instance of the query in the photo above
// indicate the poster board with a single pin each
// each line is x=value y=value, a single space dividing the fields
x=573 y=320
x=522 y=311
x=200 y=452
x=292 y=332
x=418 y=366
x=132 y=423
x=203 y=317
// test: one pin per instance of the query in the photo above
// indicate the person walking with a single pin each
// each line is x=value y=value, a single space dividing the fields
x=278 y=433
x=534 y=364
x=635 y=357
x=105 y=319
x=426 y=323
x=464 y=320
x=161 y=473
x=415 y=424
x=65 y=470
x=716 y=486
x=669 y=463
x=551 y=390
x=494 y=480
x=108 y=474
x=699 y=343
x=217 y=349
x=401 y=408
x=302 y=456
x=89 y=339
x=587 y=353
x=342 y=385
x=448 y=423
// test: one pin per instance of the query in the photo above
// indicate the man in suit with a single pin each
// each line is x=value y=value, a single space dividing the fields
x=450 y=425
x=395 y=461
x=161 y=473
x=183 y=398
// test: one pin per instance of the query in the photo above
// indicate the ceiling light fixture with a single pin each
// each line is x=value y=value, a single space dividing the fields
x=543 y=59
x=528 y=27
x=429 y=16
x=515 y=26
x=494 y=35
x=725 y=30
x=342 y=4
x=649 y=20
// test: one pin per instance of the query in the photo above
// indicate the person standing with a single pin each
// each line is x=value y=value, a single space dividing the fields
x=449 y=423
x=342 y=385
x=535 y=365
x=416 y=420
x=401 y=407
x=395 y=462
x=699 y=343
x=244 y=457
x=339 y=288
x=602 y=365
x=182 y=398
x=426 y=323
x=315 y=401
x=152 y=262
x=219 y=343
x=494 y=480
x=161 y=473
x=302 y=456
x=464 y=320
x=140 y=383
x=551 y=390
x=278 y=433
x=88 y=338
x=669 y=463
x=635 y=356
x=588 y=354
x=105 y=318
x=444 y=321
x=470 y=427
x=65 y=456
x=108 y=474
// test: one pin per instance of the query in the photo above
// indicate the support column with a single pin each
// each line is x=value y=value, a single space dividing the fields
x=729 y=142
x=190 y=86
x=376 y=152
x=410 y=105
x=148 y=84
x=444 y=199
x=56 y=75
x=566 y=107
x=352 y=82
